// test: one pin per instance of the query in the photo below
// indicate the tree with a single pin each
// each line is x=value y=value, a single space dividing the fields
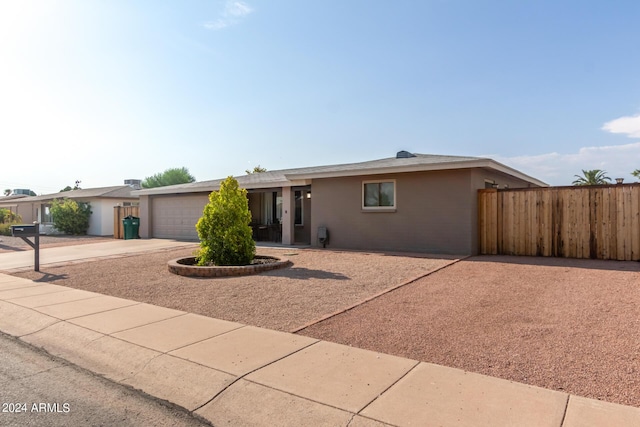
x=69 y=188
x=7 y=191
x=224 y=231
x=70 y=217
x=636 y=173
x=7 y=216
x=592 y=177
x=171 y=176
x=256 y=169
x=6 y=219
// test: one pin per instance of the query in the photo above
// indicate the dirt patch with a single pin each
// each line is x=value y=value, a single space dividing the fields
x=12 y=244
x=318 y=283
x=568 y=325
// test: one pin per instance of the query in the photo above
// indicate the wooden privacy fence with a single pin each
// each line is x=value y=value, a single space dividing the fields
x=576 y=222
x=120 y=212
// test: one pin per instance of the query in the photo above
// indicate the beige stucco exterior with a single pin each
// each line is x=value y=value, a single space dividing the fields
x=175 y=215
x=102 y=201
x=100 y=221
x=435 y=209
x=436 y=212
x=23 y=209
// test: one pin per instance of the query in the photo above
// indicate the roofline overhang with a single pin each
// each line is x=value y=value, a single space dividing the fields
x=465 y=164
x=37 y=199
x=301 y=179
x=215 y=187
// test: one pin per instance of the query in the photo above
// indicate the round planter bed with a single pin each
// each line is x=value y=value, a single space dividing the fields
x=187 y=267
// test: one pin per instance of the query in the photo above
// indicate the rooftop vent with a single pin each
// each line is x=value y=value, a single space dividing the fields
x=404 y=155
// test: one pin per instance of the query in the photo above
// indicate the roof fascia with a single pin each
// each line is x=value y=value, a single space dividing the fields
x=465 y=164
x=208 y=189
x=387 y=170
x=516 y=173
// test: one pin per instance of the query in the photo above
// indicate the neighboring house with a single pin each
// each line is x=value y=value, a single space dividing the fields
x=11 y=202
x=411 y=202
x=102 y=200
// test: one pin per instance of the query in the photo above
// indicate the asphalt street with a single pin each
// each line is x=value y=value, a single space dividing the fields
x=37 y=389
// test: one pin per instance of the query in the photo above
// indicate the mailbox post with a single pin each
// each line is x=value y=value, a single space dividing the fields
x=29 y=230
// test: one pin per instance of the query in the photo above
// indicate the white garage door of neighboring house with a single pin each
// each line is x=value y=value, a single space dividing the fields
x=175 y=217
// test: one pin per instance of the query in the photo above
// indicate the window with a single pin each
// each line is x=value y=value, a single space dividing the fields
x=379 y=195
x=298 y=207
x=46 y=215
x=278 y=204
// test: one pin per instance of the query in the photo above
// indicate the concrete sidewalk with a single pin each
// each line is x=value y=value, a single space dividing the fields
x=22 y=260
x=233 y=374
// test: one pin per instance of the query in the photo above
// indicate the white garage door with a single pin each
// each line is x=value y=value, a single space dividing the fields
x=175 y=216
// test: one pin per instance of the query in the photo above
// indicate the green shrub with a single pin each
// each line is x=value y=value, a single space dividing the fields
x=5 y=229
x=70 y=216
x=6 y=216
x=224 y=231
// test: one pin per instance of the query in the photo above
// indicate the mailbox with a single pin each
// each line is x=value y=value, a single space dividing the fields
x=29 y=230
x=20 y=230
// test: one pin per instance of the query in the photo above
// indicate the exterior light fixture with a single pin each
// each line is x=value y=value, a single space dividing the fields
x=619 y=180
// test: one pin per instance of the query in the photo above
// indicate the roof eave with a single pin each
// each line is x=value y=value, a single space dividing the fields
x=299 y=179
x=424 y=167
x=516 y=173
x=215 y=187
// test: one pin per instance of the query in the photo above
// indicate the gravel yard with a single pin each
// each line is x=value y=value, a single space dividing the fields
x=319 y=283
x=568 y=325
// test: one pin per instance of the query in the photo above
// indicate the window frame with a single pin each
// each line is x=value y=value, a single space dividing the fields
x=379 y=208
x=45 y=214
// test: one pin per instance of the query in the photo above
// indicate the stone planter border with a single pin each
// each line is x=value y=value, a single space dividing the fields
x=181 y=269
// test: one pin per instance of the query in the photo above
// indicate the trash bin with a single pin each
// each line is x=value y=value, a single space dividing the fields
x=131 y=226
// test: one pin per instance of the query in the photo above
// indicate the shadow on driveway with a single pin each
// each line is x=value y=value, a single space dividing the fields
x=301 y=273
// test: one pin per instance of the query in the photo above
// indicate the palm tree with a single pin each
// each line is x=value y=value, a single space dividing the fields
x=636 y=173
x=592 y=177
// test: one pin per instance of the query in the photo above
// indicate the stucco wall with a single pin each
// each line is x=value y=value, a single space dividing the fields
x=95 y=220
x=25 y=210
x=436 y=212
x=101 y=220
x=145 y=218
x=433 y=213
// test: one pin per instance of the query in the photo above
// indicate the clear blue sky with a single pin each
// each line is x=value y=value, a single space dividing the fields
x=101 y=91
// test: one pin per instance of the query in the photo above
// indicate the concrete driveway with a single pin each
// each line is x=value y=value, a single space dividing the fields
x=15 y=261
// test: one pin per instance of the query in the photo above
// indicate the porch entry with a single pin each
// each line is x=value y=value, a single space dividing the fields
x=266 y=216
x=266 y=208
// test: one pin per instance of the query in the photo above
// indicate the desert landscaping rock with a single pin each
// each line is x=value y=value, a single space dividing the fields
x=318 y=283
x=566 y=325
x=561 y=324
